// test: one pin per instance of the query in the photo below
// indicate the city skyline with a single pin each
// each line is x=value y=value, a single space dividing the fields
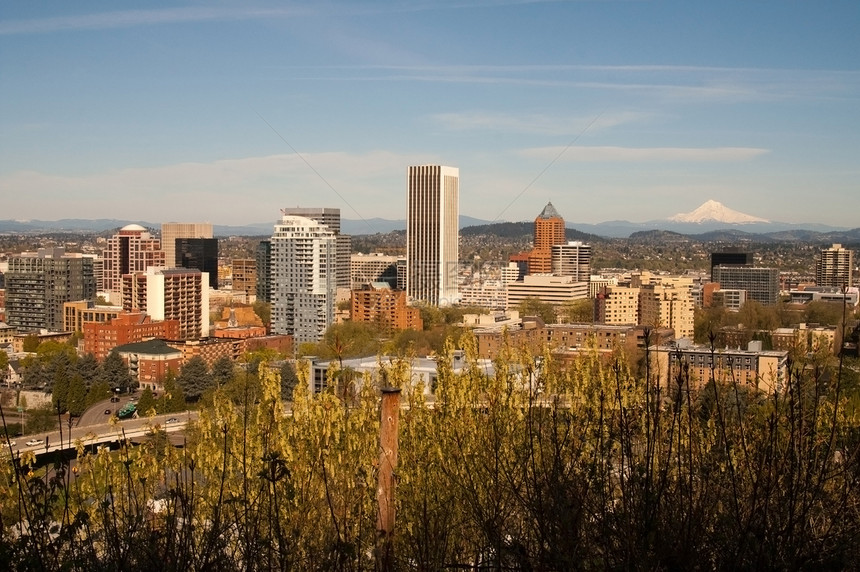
x=610 y=110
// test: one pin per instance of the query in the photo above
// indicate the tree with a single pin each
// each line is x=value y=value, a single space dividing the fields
x=146 y=402
x=76 y=396
x=264 y=311
x=531 y=306
x=115 y=372
x=88 y=368
x=4 y=365
x=172 y=400
x=60 y=393
x=289 y=380
x=194 y=378
x=222 y=371
x=31 y=343
x=41 y=419
x=99 y=391
x=579 y=311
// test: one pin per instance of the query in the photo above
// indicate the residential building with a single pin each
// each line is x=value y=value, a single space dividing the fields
x=432 y=234
x=37 y=286
x=126 y=328
x=761 y=284
x=264 y=271
x=199 y=253
x=617 y=305
x=752 y=367
x=834 y=267
x=730 y=257
x=303 y=278
x=330 y=217
x=171 y=231
x=149 y=361
x=244 y=272
x=732 y=300
x=180 y=294
x=848 y=296
x=377 y=303
x=375 y=267
x=130 y=251
x=572 y=258
x=80 y=312
x=668 y=307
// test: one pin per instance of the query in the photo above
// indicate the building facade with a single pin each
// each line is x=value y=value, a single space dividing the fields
x=180 y=294
x=572 y=258
x=199 y=253
x=549 y=231
x=126 y=328
x=303 y=278
x=330 y=217
x=555 y=290
x=367 y=268
x=37 y=286
x=170 y=231
x=244 y=273
x=378 y=304
x=432 y=234
x=129 y=251
x=835 y=267
x=761 y=284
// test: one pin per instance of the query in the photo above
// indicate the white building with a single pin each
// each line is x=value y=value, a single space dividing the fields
x=432 y=234
x=303 y=278
x=572 y=258
x=834 y=267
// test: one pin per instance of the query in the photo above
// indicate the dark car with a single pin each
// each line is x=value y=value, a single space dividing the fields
x=108 y=411
x=114 y=399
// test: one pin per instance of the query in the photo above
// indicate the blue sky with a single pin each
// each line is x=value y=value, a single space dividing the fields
x=227 y=111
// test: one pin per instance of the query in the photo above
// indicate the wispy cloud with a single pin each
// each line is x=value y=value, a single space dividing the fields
x=534 y=123
x=587 y=154
x=132 y=18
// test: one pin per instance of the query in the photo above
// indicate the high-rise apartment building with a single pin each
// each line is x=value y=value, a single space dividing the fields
x=379 y=304
x=129 y=251
x=180 y=294
x=264 y=271
x=367 y=268
x=834 y=267
x=330 y=217
x=549 y=231
x=572 y=259
x=244 y=271
x=761 y=284
x=199 y=253
x=303 y=278
x=730 y=257
x=667 y=307
x=170 y=231
x=37 y=286
x=432 y=234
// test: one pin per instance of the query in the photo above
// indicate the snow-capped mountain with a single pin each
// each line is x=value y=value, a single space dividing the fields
x=714 y=211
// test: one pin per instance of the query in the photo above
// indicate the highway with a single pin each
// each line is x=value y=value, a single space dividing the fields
x=41 y=443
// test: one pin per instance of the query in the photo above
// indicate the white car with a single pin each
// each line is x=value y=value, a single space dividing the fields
x=171 y=421
x=34 y=442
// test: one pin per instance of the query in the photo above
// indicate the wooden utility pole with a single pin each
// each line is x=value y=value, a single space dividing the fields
x=390 y=414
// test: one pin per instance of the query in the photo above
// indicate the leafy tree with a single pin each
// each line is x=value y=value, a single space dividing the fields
x=41 y=419
x=31 y=343
x=4 y=364
x=254 y=358
x=535 y=307
x=115 y=373
x=99 y=391
x=76 y=396
x=824 y=313
x=289 y=380
x=578 y=311
x=60 y=392
x=264 y=311
x=222 y=371
x=194 y=378
x=146 y=402
x=34 y=374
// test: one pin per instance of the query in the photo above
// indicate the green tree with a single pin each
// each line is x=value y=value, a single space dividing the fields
x=194 y=378
x=146 y=402
x=99 y=391
x=4 y=365
x=578 y=311
x=289 y=380
x=60 y=392
x=88 y=368
x=115 y=373
x=222 y=371
x=31 y=343
x=264 y=311
x=172 y=399
x=823 y=313
x=41 y=419
x=76 y=396
x=536 y=307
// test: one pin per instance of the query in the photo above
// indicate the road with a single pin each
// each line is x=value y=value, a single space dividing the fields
x=100 y=433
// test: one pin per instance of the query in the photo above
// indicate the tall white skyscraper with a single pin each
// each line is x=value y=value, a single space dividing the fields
x=302 y=267
x=432 y=224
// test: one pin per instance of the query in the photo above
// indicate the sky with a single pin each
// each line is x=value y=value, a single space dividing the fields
x=226 y=111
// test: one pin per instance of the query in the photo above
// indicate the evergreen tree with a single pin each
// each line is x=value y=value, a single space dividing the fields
x=76 y=396
x=146 y=402
x=194 y=378
x=289 y=380
x=115 y=372
x=99 y=391
x=60 y=392
x=172 y=399
x=88 y=368
x=222 y=371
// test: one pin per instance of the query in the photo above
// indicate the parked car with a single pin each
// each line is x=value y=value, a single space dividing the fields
x=34 y=442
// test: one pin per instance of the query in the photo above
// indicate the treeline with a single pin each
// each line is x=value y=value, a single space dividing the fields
x=524 y=467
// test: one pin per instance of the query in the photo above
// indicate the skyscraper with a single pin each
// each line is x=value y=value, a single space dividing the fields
x=572 y=258
x=199 y=253
x=549 y=231
x=330 y=217
x=834 y=267
x=432 y=225
x=131 y=250
x=303 y=279
x=180 y=294
x=38 y=285
x=170 y=231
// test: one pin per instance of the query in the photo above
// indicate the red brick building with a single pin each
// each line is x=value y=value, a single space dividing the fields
x=125 y=328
